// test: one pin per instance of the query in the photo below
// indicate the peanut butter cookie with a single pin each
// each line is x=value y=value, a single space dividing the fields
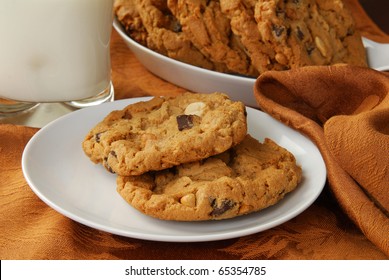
x=247 y=178
x=281 y=35
x=309 y=32
x=165 y=35
x=164 y=132
x=244 y=26
x=128 y=16
x=209 y=30
x=246 y=37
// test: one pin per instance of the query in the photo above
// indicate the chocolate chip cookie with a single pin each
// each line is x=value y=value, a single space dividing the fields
x=166 y=131
x=281 y=35
x=127 y=14
x=209 y=30
x=246 y=178
x=246 y=37
x=309 y=32
x=244 y=26
x=165 y=36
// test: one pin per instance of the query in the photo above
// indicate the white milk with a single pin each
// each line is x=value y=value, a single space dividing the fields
x=54 y=50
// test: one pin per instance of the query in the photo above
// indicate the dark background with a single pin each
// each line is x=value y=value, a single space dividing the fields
x=378 y=11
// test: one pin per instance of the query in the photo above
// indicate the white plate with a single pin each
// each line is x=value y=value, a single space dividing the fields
x=240 y=88
x=59 y=173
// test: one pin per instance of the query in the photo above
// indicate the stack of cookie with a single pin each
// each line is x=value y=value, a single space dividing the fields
x=245 y=37
x=189 y=158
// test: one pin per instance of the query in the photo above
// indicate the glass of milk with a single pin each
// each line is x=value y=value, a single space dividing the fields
x=54 y=51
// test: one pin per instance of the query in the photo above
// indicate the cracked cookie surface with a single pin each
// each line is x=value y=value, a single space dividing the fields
x=247 y=37
x=127 y=14
x=246 y=178
x=166 y=131
x=309 y=32
x=209 y=30
x=281 y=35
x=164 y=34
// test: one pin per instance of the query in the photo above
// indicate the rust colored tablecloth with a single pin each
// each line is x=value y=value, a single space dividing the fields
x=30 y=229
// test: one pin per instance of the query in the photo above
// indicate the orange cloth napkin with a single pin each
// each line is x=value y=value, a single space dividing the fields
x=345 y=111
x=30 y=229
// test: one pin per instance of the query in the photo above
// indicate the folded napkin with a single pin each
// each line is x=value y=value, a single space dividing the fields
x=344 y=110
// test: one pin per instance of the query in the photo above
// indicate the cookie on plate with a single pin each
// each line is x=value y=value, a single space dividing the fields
x=166 y=131
x=246 y=178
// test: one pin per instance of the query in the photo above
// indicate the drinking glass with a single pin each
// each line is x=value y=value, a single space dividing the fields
x=54 y=51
